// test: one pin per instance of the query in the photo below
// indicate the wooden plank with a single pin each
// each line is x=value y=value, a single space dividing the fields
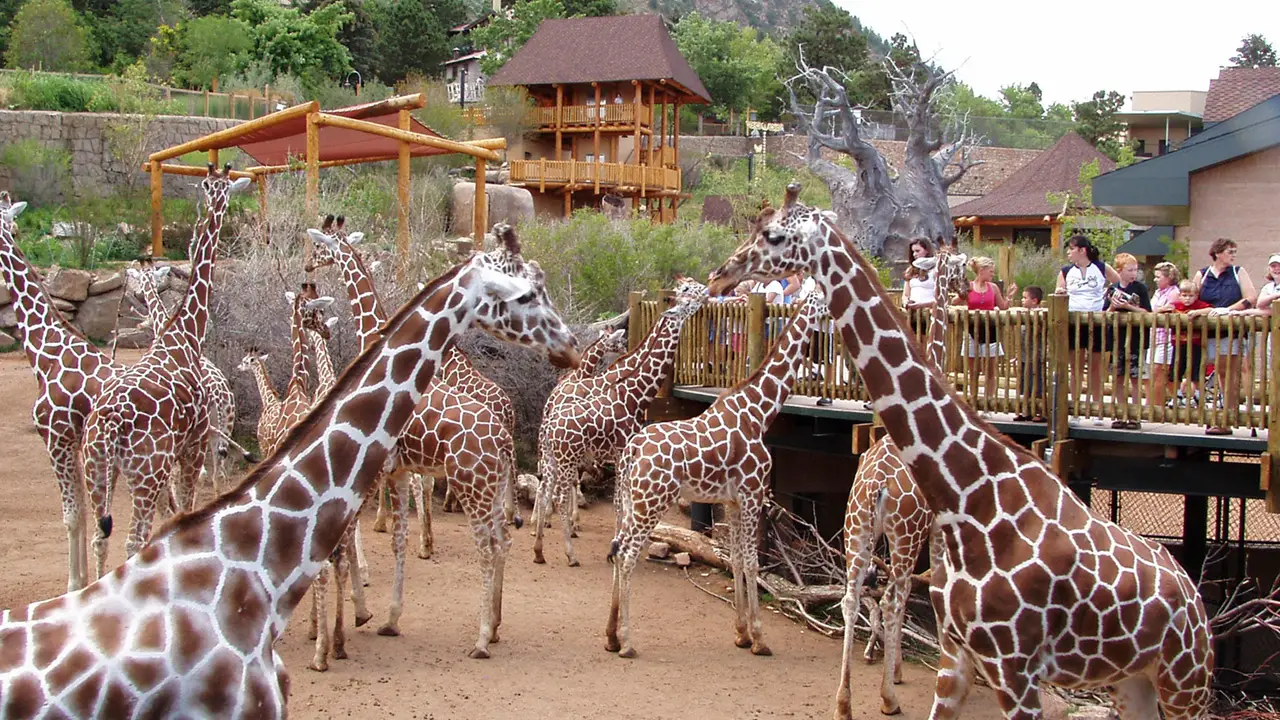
x=1272 y=455
x=157 y=210
x=403 y=181
x=862 y=438
x=193 y=171
x=324 y=119
x=480 y=206
x=313 y=169
x=224 y=138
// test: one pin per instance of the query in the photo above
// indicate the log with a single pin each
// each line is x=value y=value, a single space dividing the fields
x=806 y=595
x=699 y=546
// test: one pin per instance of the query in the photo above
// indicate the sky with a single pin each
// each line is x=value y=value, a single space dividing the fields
x=1075 y=48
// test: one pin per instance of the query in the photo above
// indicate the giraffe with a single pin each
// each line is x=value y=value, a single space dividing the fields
x=885 y=501
x=717 y=457
x=70 y=373
x=306 y=309
x=145 y=282
x=1033 y=587
x=450 y=436
x=255 y=362
x=152 y=418
x=583 y=432
x=187 y=627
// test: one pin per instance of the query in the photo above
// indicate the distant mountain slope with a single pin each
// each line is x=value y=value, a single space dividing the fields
x=772 y=16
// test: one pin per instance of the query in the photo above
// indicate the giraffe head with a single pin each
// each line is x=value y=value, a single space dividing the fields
x=952 y=266
x=9 y=210
x=311 y=307
x=332 y=243
x=615 y=342
x=252 y=360
x=783 y=241
x=218 y=186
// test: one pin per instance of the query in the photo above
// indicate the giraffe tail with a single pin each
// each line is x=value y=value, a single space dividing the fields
x=510 y=471
x=101 y=453
x=614 y=547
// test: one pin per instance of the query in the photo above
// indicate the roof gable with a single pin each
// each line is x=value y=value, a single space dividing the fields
x=1238 y=89
x=1025 y=192
x=602 y=49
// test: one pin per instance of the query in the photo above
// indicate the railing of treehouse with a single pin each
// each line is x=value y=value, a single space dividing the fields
x=609 y=174
x=585 y=115
x=724 y=341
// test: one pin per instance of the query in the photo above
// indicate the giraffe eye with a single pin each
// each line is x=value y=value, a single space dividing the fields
x=772 y=237
x=526 y=298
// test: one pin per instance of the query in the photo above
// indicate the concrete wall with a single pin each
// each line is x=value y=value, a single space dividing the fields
x=1234 y=200
x=87 y=136
x=1189 y=101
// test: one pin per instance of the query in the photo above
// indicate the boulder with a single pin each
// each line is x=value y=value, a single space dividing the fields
x=6 y=297
x=64 y=306
x=172 y=299
x=139 y=337
x=7 y=341
x=506 y=204
x=106 y=284
x=96 y=317
x=8 y=318
x=68 y=284
x=659 y=550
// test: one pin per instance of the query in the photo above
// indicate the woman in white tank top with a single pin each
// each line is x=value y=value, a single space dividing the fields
x=1085 y=280
x=919 y=292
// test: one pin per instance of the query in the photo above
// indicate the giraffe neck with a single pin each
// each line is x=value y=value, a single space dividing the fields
x=592 y=357
x=456 y=362
x=325 y=379
x=289 y=514
x=155 y=307
x=366 y=307
x=185 y=334
x=933 y=430
x=627 y=365
x=766 y=390
x=265 y=389
x=44 y=331
x=300 y=374
x=938 y=317
x=638 y=389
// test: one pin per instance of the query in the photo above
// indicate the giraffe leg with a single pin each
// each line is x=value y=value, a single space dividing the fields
x=341 y=573
x=1183 y=683
x=71 y=490
x=751 y=563
x=1135 y=698
x=380 y=521
x=1019 y=693
x=637 y=526
x=955 y=678
x=399 y=538
x=501 y=549
x=858 y=550
x=484 y=511
x=319 y=597
x=892 y=608
x=542 y=509
x=147 y=488
x=742 y=633
x=424 y=487
x=353 y=559
x=99 y=481
x=875 y=631
x=564 y=499
x=361 y=562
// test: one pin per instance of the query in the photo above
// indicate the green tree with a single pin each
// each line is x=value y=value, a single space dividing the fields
x=359 y=36
x=413 y=36
x=508 y=32
x=200 y=8
x=1254 y=51
x=1022 y=101
x=738 y=67
x=8 y=8
x=123 y=34
x=291 y=43
x=872 y=87
x=590 y=8
x=829 y=37
x=1096 y=121
x=211 y=47
x=49 y=35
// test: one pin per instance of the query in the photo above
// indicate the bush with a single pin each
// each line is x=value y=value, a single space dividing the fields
x=41 y=91
x=40 y=174
x=728 y=178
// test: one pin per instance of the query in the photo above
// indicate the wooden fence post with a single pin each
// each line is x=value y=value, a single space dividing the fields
x=1004 y=265
x=665 y=300
x=1271 y=459
x=1059 y=375
x=635 y=329
x=756 y=311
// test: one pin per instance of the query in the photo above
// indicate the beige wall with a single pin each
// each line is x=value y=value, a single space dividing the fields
x=1236 y=200
x=1190 y=101
x=1153 y=135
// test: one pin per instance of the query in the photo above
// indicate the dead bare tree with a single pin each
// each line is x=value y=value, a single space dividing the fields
x=885 y=211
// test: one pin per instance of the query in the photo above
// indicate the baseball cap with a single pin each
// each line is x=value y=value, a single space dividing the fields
x=1275 y=258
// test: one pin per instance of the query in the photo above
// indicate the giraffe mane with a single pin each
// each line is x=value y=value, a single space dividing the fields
x=318 y=413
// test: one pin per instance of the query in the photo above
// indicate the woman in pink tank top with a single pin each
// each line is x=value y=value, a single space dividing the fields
x=983 y=341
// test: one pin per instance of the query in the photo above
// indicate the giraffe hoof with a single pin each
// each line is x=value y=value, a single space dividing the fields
x=573 y=562
x=362 y=619
x=742 y=641
x=380 y=527
x=339 y=654
x=311 y=635
x=319 y=667
x=629 y=653
x=424 y=554
x=538 y=559
x=389 y=631
x=889 y=709
x=611 y=644
x=761 y=650
x=478 y=653
x=573 y=533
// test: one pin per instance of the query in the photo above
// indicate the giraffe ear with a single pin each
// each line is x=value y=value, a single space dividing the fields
x=422 y=286
x=320 y=303
x=503 y=288
x=16 y=209
x=925 y=263
x=376 y=265
x=331 y=323
x=320 y=238
x=288 y=295
x=240 y=184
x=263 y=357
x=355 y=238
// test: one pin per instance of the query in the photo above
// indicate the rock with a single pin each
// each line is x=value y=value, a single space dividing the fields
x=64 y=306
x=659 y=550
x=8 y=318
x=6 y=341
x=106 y=284
x=171 y=299
x=683 y=560
x=506 y=204
x=68 y=284
x=5 y=296
x=97 y=315
x=134 y=338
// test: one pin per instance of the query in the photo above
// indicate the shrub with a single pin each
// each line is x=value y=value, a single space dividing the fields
x=40 y=174
x=42 y=91
x=728 y=177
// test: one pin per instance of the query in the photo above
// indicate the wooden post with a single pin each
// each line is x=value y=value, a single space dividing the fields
x=313 y=169
x=559 y=122
x=261 y=180
x=206 y=103
x=402 y=188
x=977 y=234
x=1004 y=264
x=665 y=300
x=635 y=331
x=1059 y=377
x=213 y=157
x=480 y=206
x=662 y=136
x=675 y=140
x=596 y=141
x=1272 y=459
x=1055 y=236
x=651 y=97
x=568 y=203
x=755 y=331
x=157 y=210
x=635 y=117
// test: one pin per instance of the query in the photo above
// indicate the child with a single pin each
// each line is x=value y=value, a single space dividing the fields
x=1187 y=351
x=1031 y=352
x=1128 y=295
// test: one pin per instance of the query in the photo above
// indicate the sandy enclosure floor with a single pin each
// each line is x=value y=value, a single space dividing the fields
x=551 y=661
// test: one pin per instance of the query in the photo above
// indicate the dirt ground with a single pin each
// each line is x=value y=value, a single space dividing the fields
x=551 y=662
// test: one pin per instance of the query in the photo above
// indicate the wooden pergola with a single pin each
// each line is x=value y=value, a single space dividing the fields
x=304 y=137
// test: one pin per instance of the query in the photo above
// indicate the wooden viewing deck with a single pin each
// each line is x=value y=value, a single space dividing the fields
x=648 y=180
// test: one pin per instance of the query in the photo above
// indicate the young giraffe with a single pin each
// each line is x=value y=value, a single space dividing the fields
x=1034 y=588
x=884 y=500
x=717 y=457
x=582 y=433
x=306 y=308
x=255 y=362
x=145 y=283
x=450 y=436
x=187 y=627
x=70 y=373
x=151 y=421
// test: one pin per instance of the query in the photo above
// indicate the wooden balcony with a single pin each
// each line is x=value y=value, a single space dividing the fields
x=583 y=118
x=574 y=174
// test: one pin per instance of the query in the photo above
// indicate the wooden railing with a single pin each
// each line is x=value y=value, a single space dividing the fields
x=723 y=342
x=573 y=172
x=588 y=115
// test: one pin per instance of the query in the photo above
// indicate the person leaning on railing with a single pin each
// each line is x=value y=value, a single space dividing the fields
x=1267 y=296
x=1227 y=288
x=1128 y=295
x=984 y=340
x=1084 y=280
x=1160 y=354
x=920 y=287
x=1031 y=354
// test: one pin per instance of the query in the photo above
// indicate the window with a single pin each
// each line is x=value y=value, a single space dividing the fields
x=1141 y=149
x=1164 y=147
x=1039 y=237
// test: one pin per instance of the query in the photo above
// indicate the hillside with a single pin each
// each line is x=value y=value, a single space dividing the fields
x=768 y=15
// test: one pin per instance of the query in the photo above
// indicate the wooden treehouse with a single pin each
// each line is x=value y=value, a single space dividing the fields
x=607 y=94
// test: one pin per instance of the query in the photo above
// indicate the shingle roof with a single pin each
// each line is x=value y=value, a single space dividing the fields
x=1024 y=193
x=601 y=49
x=1238 y=89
